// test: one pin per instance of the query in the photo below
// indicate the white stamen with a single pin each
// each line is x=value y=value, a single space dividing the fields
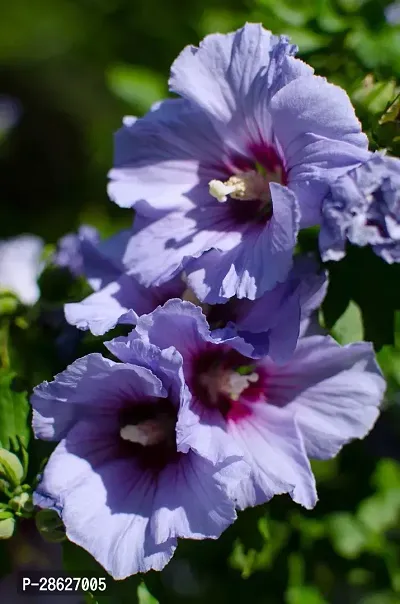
x=238 y=383
x=147 y=433
x=220 y=190
x=245 y=185
x=230 y=383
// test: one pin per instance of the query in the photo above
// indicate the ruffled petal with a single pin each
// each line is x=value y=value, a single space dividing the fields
x=70 y=248
x=102 y=261
x=335 y=392
x=363 y=206
x=276 y=454
x=191 y=502
x=105 y=501
x=262 y=259
x=101 y=311
x=90 y=386
x=228 y=74
x=176 y=239
x=20 y=266
x=321 y=139
x=120 y=301
x=177 y=323
x=164 y=160
x=313 y=105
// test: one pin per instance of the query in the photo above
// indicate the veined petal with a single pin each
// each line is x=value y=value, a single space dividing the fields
x=275 y=452
x=335 y=392
x=105 y=501
x=90 y=386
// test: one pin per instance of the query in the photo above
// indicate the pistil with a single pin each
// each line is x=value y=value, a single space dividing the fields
x=150 y=432
x=246 y=186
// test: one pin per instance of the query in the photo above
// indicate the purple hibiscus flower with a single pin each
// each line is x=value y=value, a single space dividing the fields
x=279 y=416
x=392 y=13
x=268 y=325
x=363 y=207
x=71 y=247
x=118 y=297
x=133 y=471
x=236 y=165
x=20 y=266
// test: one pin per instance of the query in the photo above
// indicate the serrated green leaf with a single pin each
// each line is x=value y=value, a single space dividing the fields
x=14 y=413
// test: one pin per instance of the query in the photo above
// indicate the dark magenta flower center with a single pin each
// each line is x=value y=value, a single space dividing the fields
x=221 y=378
x=246 y=187
x=147 y=431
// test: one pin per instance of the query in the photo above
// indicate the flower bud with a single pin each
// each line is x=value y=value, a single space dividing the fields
x=22 y=503
x=7 y=526
x=11 y=468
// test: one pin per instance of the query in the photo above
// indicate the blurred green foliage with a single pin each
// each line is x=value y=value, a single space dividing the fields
x=75 y=68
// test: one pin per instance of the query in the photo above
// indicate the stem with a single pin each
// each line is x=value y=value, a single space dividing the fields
x=4 y=337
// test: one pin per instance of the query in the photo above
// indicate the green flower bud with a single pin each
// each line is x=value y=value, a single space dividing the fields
x=11 y=468
x=22 y=503
x=8 y=303
x=7 y=526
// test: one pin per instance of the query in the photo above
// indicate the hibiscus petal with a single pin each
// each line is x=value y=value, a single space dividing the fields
x=334 y=391
x=276 y=454
x=20 y=266
x=91 y=385
x=262 y=259
x=157 y=166
x=227 y=73
x=192 y=480
x=106 y=501
x=121 y=301
x=176 y=239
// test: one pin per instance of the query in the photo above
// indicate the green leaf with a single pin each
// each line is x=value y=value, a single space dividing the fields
x=136 y=85
x=50 y=526
x=380 y=512
x=374 y=97
x=307 y=40
x=387 y=475
x=144 y=596
x=14 y=413
x=382 y=597
x=392 y=113
x=304 y=595
x=348 y=536
x=7 y=526
x=8 y=303
x=249 y=560
x=349 y=327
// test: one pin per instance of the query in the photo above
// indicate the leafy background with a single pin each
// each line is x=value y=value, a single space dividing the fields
x=72 y=69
